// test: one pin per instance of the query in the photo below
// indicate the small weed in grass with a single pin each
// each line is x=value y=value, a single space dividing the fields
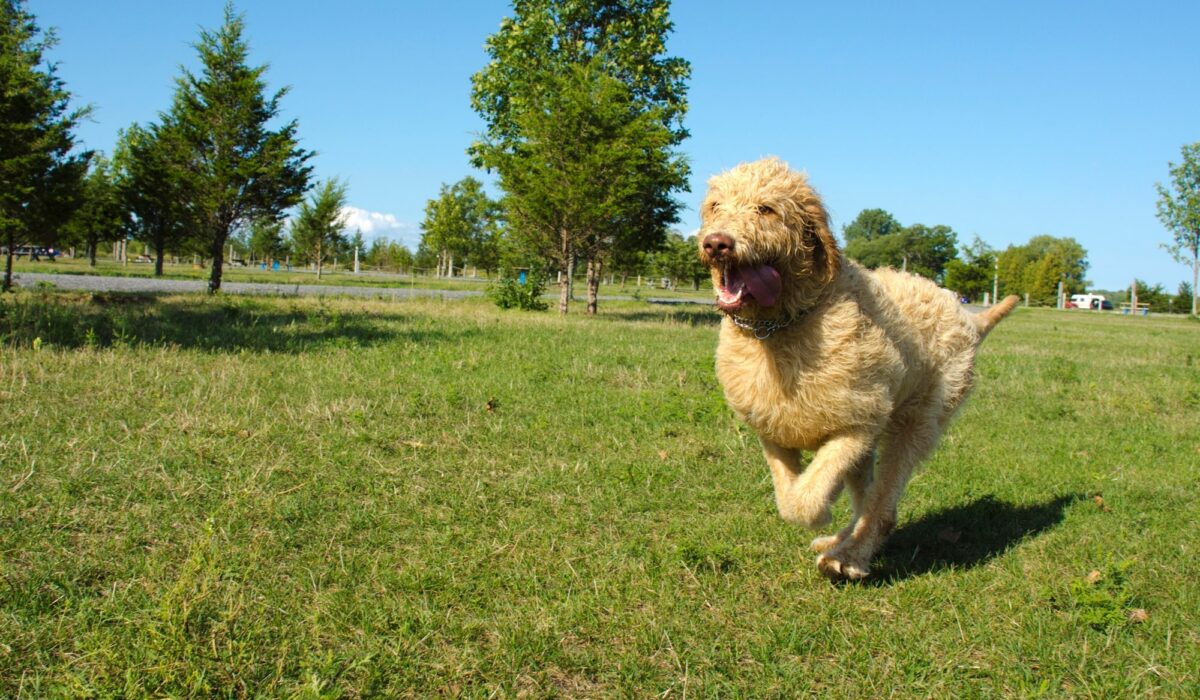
x=1101 y=599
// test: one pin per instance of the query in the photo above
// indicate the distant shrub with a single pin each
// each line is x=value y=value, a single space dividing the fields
x=508 y=293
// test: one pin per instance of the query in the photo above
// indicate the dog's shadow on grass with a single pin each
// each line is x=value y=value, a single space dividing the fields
x=963 y=537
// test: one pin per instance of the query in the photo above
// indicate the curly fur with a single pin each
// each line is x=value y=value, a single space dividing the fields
x=870 y=362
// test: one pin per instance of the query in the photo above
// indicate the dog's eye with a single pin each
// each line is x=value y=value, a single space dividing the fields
x=765 y=210
x=713 y=206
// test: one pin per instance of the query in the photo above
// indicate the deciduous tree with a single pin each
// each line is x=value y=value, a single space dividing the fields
x=1037 y=267
x=869 y=225
x=574 y=81
x=677 y=260
x=875 y=239
x=460 y=226
x=1179 y=212
x=389 y=254
x=972 y=273
x=575 y=188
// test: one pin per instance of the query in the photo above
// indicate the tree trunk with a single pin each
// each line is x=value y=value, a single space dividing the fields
x=564 y=296
x=571 y=275
x=218 y=263
x=564 y=284
x=1195 y=275
x=593 y=285
x=8 y=260
x=159 y=249
x=319 y=251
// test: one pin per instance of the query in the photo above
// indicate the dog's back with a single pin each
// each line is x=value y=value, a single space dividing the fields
x=945 y=332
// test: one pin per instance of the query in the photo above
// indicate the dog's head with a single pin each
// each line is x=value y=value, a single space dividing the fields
x=765 y=238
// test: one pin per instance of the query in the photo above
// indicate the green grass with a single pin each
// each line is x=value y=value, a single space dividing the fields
x=336 y=498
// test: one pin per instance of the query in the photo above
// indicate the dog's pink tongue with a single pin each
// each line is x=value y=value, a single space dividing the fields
x=762 y=281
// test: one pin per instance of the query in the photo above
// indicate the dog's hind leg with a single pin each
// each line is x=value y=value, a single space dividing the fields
x=858 y=480
x=902 y=449
x=805 y=495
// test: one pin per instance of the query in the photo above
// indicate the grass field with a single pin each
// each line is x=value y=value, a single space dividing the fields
x=335 y=498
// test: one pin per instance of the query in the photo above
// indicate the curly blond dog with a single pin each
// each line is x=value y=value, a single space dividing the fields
x=818 y=354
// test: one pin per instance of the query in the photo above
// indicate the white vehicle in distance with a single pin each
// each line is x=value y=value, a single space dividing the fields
x=1089 y=301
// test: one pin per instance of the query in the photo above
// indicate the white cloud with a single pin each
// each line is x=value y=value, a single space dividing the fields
x=375 y=224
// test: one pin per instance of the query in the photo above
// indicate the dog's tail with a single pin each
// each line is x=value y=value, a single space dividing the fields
x=986 y=320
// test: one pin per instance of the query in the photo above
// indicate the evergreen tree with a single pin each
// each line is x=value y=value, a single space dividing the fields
x=39 y=173
x=101 y=214
x=266 y=240
x=240 y=169
x=152 y=179
x=317 y=230
x=1183 y=297
x=1154 y=296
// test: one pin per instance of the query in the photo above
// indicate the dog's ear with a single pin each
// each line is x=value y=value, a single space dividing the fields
x=826 y=257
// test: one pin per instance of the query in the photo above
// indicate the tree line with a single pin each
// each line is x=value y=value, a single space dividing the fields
x=876 y=239
x=1034 y=269
x=584 y=112
x=210 y=167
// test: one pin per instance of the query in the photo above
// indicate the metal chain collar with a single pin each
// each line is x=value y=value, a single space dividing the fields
x=762 y=328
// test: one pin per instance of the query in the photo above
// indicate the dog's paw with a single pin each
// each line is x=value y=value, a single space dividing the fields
x=819 y=517
x=812 y=513
x=837 y=568
x=826 y=543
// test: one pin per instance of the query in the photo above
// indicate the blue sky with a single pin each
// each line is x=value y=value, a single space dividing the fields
x=1004 y=120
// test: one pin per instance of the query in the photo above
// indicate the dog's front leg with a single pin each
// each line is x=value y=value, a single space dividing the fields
x=806 y=496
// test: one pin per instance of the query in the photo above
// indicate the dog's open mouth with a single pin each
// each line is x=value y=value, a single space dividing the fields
x=761 y=283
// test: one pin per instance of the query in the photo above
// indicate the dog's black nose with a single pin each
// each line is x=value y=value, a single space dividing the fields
x=717 y=245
